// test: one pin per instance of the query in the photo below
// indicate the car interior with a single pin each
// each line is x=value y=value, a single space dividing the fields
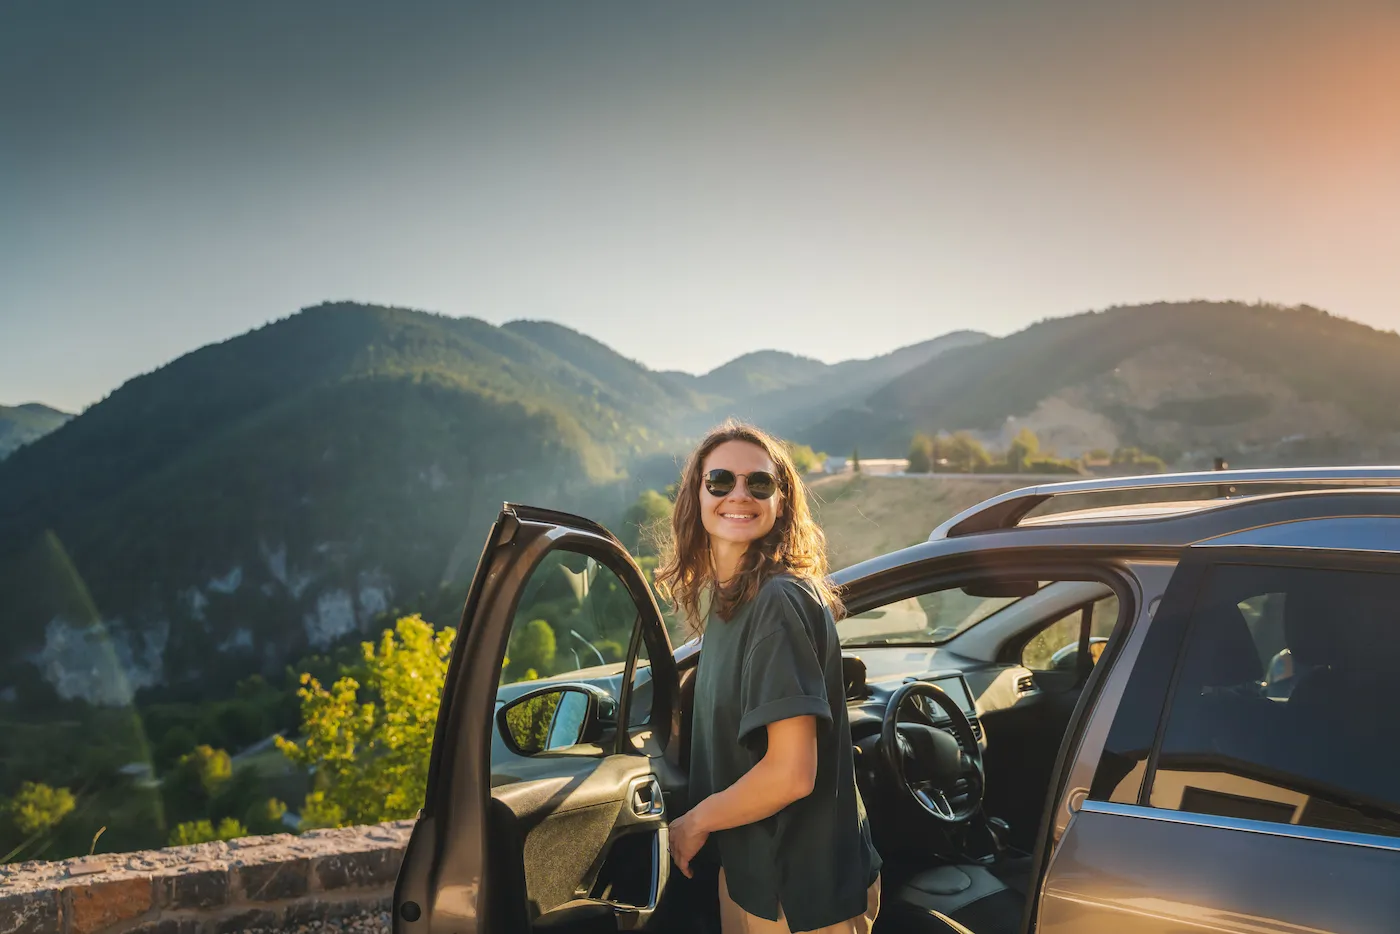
x=959 y=700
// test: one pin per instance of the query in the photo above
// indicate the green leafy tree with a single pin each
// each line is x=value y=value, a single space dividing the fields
x=642 y=522
x=1024 y=449
x=966 y=454
x=204 y=831
x=921 y=451
x=199 y=776
x=369 y=736
x=855 y=460
x=37 y=808
x=265 y=817
x=531 y=653
x=804 y=458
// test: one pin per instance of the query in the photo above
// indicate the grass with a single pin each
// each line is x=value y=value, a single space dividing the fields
x=864 y=517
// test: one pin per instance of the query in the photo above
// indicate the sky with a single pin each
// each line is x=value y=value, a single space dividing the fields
x=683 y=182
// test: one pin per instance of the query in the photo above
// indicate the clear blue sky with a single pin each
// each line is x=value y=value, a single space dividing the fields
x=684 y=184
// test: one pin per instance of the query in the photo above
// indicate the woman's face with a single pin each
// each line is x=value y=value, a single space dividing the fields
x=738 y=517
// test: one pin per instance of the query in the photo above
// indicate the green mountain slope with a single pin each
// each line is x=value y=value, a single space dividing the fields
x=803 y=392
x=21 y=424
x=1188 y=378
x=278 y=491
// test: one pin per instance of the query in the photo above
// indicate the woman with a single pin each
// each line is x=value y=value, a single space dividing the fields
x=771 y=775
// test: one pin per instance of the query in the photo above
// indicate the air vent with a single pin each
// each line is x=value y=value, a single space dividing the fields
x=976 y=727
x=1025 y=684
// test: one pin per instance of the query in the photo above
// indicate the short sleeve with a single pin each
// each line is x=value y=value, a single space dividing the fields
x=782 y=674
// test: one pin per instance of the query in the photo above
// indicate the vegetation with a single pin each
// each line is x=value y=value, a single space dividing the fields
x=368 y=737
x=203 y=831
x=804 y=458
x=642 y=522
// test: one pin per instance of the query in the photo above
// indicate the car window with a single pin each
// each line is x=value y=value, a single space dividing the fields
x=933 y=617
x=1056 y=647
x=574 y=622
x=1283 y=708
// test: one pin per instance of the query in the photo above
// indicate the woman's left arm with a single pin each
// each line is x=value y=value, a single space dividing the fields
x=785 y=774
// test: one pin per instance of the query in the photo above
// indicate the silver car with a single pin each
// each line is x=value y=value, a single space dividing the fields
x=1157 y=704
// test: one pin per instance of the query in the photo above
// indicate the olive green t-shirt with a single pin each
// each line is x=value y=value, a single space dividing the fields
x=779 y=657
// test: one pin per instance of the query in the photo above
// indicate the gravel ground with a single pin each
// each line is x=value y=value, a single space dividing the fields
x=369 y=922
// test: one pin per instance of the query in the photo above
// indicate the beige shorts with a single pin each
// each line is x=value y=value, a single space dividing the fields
x=735 y=920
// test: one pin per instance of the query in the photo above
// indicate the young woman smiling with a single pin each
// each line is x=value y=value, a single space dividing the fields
x=771 y=773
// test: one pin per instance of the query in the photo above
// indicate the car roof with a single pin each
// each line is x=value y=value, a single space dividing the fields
x=1155 y=495
x=1155 y=532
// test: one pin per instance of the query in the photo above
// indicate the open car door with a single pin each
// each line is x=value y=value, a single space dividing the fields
x=553 y=770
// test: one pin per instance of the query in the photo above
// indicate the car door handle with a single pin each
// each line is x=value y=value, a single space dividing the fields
x=646 y=798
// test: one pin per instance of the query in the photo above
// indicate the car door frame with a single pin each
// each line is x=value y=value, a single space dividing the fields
x=446 y=875
x=1139 y=576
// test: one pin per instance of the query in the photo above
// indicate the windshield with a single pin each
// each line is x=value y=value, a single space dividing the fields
x=928 y=619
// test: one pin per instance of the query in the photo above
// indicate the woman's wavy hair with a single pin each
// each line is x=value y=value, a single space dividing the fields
x=795 y=545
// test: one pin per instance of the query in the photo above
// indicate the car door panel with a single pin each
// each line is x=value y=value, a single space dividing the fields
x=1127 y=870
x=533 y=845
x=575 y=834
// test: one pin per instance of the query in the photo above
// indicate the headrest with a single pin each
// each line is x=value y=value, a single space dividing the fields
x=1311 y=614
x=1349 y=620
x=1222 y=648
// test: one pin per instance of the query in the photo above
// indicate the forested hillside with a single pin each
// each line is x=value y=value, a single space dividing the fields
x=21 y=424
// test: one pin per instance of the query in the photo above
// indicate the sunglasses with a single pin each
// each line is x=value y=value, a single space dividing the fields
x=721 y=482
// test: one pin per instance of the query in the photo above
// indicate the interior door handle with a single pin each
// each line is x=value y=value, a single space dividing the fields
x=646 y=798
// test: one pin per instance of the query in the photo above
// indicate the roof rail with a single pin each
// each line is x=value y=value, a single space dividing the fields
x=1008 y=509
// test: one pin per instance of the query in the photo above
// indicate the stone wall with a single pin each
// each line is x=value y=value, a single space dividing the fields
x=275 y=883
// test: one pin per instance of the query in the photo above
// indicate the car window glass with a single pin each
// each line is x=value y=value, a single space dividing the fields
x=574 y=622
x=932 y=617
x=1309 y=740
x=1055 y=647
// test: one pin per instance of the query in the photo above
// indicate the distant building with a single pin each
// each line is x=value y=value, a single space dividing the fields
x=875 y=467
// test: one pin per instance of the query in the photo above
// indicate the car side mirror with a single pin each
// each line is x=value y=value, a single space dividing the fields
x=556 y=716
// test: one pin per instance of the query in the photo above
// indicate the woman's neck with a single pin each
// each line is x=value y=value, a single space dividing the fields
x=726 y=557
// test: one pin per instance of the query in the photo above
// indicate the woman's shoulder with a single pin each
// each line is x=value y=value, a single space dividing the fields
x=790 y=589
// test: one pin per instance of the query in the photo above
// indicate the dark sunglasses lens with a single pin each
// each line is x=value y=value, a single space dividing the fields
x=762 y=485
x=720 y=482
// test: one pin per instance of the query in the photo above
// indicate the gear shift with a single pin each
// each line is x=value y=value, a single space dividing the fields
x=1000 y=832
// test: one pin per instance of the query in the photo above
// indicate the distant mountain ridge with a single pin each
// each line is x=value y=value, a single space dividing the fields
x=21 y=424
x=1189 y=379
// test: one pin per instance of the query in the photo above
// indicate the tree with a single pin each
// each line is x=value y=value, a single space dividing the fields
x=369 y=736
x=265 y=817
x=966 y=453
x=855 y=460
x=921 y=451
x=1024 y=449
x=643 y=521
x=38 y=808
x=531 y=653
x=196 y=780
x=804 y=458
x=204 y=831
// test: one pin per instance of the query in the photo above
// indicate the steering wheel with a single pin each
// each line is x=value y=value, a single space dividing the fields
x=927 y=762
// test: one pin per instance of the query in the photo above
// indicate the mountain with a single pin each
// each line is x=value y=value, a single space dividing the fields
x=21 y=424
x=788 y=393
x=288 y=489
x=267 y=495
x=1188 y=379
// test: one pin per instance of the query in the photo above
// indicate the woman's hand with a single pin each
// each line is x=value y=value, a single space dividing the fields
x=687 y=839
